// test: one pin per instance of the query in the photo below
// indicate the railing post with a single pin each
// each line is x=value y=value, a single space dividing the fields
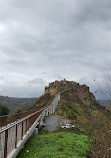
x=25 y=126
x=16 y=136
x=22 y=132
x=6 y=140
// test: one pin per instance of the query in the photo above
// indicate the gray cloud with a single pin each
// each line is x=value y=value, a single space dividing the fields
x=41 y=41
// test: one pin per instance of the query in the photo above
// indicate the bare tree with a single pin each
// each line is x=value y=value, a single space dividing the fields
x=107 y=94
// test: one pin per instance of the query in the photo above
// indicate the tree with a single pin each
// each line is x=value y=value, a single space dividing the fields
x=106 y=90
x=17 y=111
x=3 y=110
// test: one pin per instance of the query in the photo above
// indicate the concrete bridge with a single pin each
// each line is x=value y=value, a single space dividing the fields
x=16 y=129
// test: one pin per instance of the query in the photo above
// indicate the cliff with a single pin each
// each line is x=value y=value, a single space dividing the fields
x=80 y=94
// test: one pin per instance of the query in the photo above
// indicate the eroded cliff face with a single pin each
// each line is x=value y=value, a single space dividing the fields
x=79 y=94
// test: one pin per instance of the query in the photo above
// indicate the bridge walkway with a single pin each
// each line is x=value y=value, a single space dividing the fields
x=16 y=129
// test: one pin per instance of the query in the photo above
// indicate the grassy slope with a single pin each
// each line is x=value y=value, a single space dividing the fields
x=56 y=145
x=43 y=101
x=92 y=120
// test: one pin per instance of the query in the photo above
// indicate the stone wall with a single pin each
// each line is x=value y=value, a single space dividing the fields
x=54 y=87
x=52 y=90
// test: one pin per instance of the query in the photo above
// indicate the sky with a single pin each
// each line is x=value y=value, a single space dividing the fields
x=46 y=40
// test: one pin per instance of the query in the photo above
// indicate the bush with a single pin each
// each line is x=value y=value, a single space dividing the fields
x=3 y=110
x=17 y=111
x=71 y=115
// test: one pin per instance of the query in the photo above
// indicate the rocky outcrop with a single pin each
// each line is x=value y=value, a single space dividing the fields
x=73 y=90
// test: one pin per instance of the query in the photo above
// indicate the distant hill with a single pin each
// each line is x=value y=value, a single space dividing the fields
x=14 y=103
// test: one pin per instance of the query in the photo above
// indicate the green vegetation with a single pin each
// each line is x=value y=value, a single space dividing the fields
x=93 y=121
x=17 y=110
x=3 y=110
x=88 y=116
x=12 y=103
x=69 y=110
x=56 y=145
x=43 y=101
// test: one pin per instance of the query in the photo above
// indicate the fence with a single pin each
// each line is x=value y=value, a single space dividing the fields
x=12 y=135
x=15 y=128
x=8 y=119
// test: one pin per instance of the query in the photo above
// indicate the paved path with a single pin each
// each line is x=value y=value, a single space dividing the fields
x=52 y=122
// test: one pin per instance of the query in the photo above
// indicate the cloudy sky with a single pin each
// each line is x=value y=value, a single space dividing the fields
x=46 y=40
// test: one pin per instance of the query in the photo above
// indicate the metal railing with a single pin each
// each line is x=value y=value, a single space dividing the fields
x=15 y=127
x=8 y=119
x=12 y=135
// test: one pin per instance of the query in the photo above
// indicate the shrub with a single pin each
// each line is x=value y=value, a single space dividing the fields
x=17 y=111
x=71 y=114
x=3 y=110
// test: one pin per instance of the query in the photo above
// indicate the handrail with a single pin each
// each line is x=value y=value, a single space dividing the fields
x=8 y=119
x=21 y=120
x=13 y=133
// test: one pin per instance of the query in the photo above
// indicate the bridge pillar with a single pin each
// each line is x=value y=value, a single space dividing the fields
x=40 y=123
x=39 y=126
x=46 y=112
x=43 y=115
x=51 y=110
x=36 y=131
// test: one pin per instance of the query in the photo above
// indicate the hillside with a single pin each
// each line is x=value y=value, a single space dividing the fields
x=90 y=118
x=15 y=103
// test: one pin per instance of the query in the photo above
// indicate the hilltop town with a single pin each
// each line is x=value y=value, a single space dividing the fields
x=73 y=89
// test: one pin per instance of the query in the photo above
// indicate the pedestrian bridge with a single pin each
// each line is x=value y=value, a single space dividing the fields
x=16 y=129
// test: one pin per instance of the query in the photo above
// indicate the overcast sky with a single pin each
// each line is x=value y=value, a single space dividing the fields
x=46 y=40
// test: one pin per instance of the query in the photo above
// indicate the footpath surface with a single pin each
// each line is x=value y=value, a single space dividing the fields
x=52 y=122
